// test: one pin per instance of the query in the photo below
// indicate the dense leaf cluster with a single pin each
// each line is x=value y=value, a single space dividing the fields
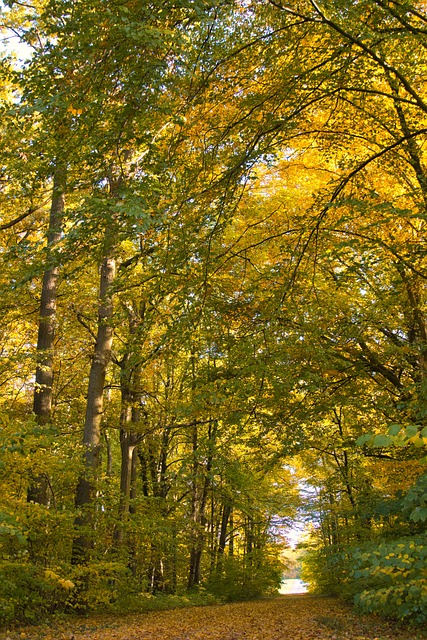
x=213 y=276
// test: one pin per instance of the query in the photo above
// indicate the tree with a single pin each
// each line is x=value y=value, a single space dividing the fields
x=237 y=279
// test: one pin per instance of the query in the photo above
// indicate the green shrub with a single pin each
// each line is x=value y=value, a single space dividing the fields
x=98 y=585
x=141 y=602
x=396 y=573
x=384 y=577
x=234 y=581
x=326 y=571
x=28 y=593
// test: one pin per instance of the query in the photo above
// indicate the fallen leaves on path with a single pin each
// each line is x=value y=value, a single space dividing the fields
x=284 y=618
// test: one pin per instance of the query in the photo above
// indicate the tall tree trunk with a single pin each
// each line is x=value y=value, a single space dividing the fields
x=86 y=488
x=226 y=512
x=194 y=576
x=130 y=416
x=199 y=499
x=109 y=451
x=160 y=490
x=128 y=442
x=42 y=402
x=132 y=544
x=249 y=534
x=144 y=472
x=231 y=536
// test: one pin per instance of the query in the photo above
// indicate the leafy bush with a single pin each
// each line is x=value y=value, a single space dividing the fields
x=28 y=593
x=415 y=502
x=326 y=571
x=138 y=602
x=234 y=581
x=99 y=585
x=397 y=577
x=384 y=577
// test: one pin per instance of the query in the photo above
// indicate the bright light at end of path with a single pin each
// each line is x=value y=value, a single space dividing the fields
x=296 y=535
x=293 y=585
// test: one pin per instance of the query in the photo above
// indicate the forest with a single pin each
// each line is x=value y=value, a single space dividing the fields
x=213 y=276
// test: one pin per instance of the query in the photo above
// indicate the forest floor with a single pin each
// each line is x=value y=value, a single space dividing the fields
x=296 y=617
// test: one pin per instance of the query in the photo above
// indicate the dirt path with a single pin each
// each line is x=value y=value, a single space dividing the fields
x=298 y=617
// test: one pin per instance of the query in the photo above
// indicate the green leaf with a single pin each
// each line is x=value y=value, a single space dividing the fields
x=411 y=430
x=382 y=440
x=419 y=514
x=394 y=429
x=365 y=439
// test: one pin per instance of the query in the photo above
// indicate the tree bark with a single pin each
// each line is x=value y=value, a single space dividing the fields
x=42 y=401
x=128 y=443
x=86 y=488
x=199 y=499
x=130 y=417
x=226 y=512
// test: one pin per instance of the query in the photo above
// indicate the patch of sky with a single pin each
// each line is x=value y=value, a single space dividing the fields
x=12 y=42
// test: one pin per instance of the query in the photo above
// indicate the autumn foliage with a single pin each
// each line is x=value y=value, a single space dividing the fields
x=299 y=617
x=213 y=323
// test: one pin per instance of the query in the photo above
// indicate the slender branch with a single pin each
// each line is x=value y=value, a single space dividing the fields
x=408 y=26
x=388 y=68
x=384 y=245
x=15 y=221
x=340 y=187
x=82 y=321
